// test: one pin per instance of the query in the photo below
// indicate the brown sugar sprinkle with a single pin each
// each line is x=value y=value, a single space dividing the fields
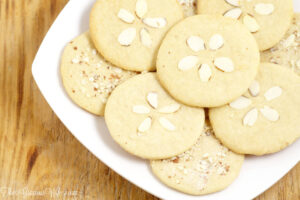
x=73 y=91
x=176 y=160
x=75 y=48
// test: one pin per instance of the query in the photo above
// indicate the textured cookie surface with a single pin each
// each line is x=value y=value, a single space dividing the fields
x=128 y=32
x=87 y=77
x=287 y=51
x=266 y=118
x=207 y=60
x=148 y=123
x=207 y=167
x=268 y=20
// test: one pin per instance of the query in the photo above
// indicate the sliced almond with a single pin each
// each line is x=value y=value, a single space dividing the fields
x=264 y=8
x=251 y=23
x=145 y=37
x=188 y=62
x=270 y=113
x=145 y=125
x=152 y=99
x=141 y=8
x=196 y=43
x=273 y=93
x=234 y=13
x=254 y=88
x=240 y=103
x=216 y=42
x=165 y=123
x=157 y=22
x=127 y=36
x=205 y=72
x=233 y=2
x=289 y=41
x=126 y=16
x=169 y=109
x=251 y=117
x=140 y=109
x=224 y=64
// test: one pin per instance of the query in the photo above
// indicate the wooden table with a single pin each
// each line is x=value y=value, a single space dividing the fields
x=39 y=157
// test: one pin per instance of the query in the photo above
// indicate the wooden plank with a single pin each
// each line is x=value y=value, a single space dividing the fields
x=39 y=158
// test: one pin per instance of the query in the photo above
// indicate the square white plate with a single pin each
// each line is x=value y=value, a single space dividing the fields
x=257 y=174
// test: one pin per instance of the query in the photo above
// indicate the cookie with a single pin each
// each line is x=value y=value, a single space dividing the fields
x=207 y=167
x=287 y=51
x=266 y=118
x=144 y=120
x=268 y=20
x=87 y=77
x=128 y=32
x=207 y=60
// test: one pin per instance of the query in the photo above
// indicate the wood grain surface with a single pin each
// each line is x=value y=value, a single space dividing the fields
x=39 y=158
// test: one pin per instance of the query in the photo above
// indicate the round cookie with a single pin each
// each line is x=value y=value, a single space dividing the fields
x=207 y=60
x=268 y=20
x=87 y=77
x=266 y=118
x=287 y=51
x=206 y=168
x=144 y=120
x=128 y=32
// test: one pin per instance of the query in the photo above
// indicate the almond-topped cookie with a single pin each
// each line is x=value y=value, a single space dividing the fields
x=266 y=118
x=287 y=51
x=267 y=20
x=144 y=120
x=87 y=77
x=207 y=60
x=205 y=168
x=128 y=32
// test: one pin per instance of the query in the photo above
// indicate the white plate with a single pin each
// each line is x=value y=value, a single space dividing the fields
x=257 y=174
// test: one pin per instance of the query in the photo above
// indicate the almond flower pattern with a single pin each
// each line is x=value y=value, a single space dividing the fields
x=127 y=36
x=248 y=19
x=269 y=113
x=152 y=100
x=197 y=44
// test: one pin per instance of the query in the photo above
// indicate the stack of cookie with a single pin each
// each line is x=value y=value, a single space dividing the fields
x=190 y=93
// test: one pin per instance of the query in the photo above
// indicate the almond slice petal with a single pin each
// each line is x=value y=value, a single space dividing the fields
x=233 y=13
x=273 y=93
x=152 y=99
x=205 y=72
x=145 y=125
x=140 y=109
x=169 y=109
x=264 y=8
x=240 y=103
x=195 y=43
x=188 y=62
x=251 y=117
x=141 y=8
x=157 y=22
x=251 y=23
x=145 y=37
x=216 y=42
x=127 y=36
x=224 y=64
x=254 y=88
x=233 y=2
x=126 y=16
x=166 y=124
x=270 y=114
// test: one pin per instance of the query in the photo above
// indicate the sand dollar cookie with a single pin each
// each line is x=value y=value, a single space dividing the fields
x=148 y=123
x=266 y=118
x=207 y=60
x=128 y=32
x=87 y=77
x=207 y=167
x=268 y=20
x=287 y=51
